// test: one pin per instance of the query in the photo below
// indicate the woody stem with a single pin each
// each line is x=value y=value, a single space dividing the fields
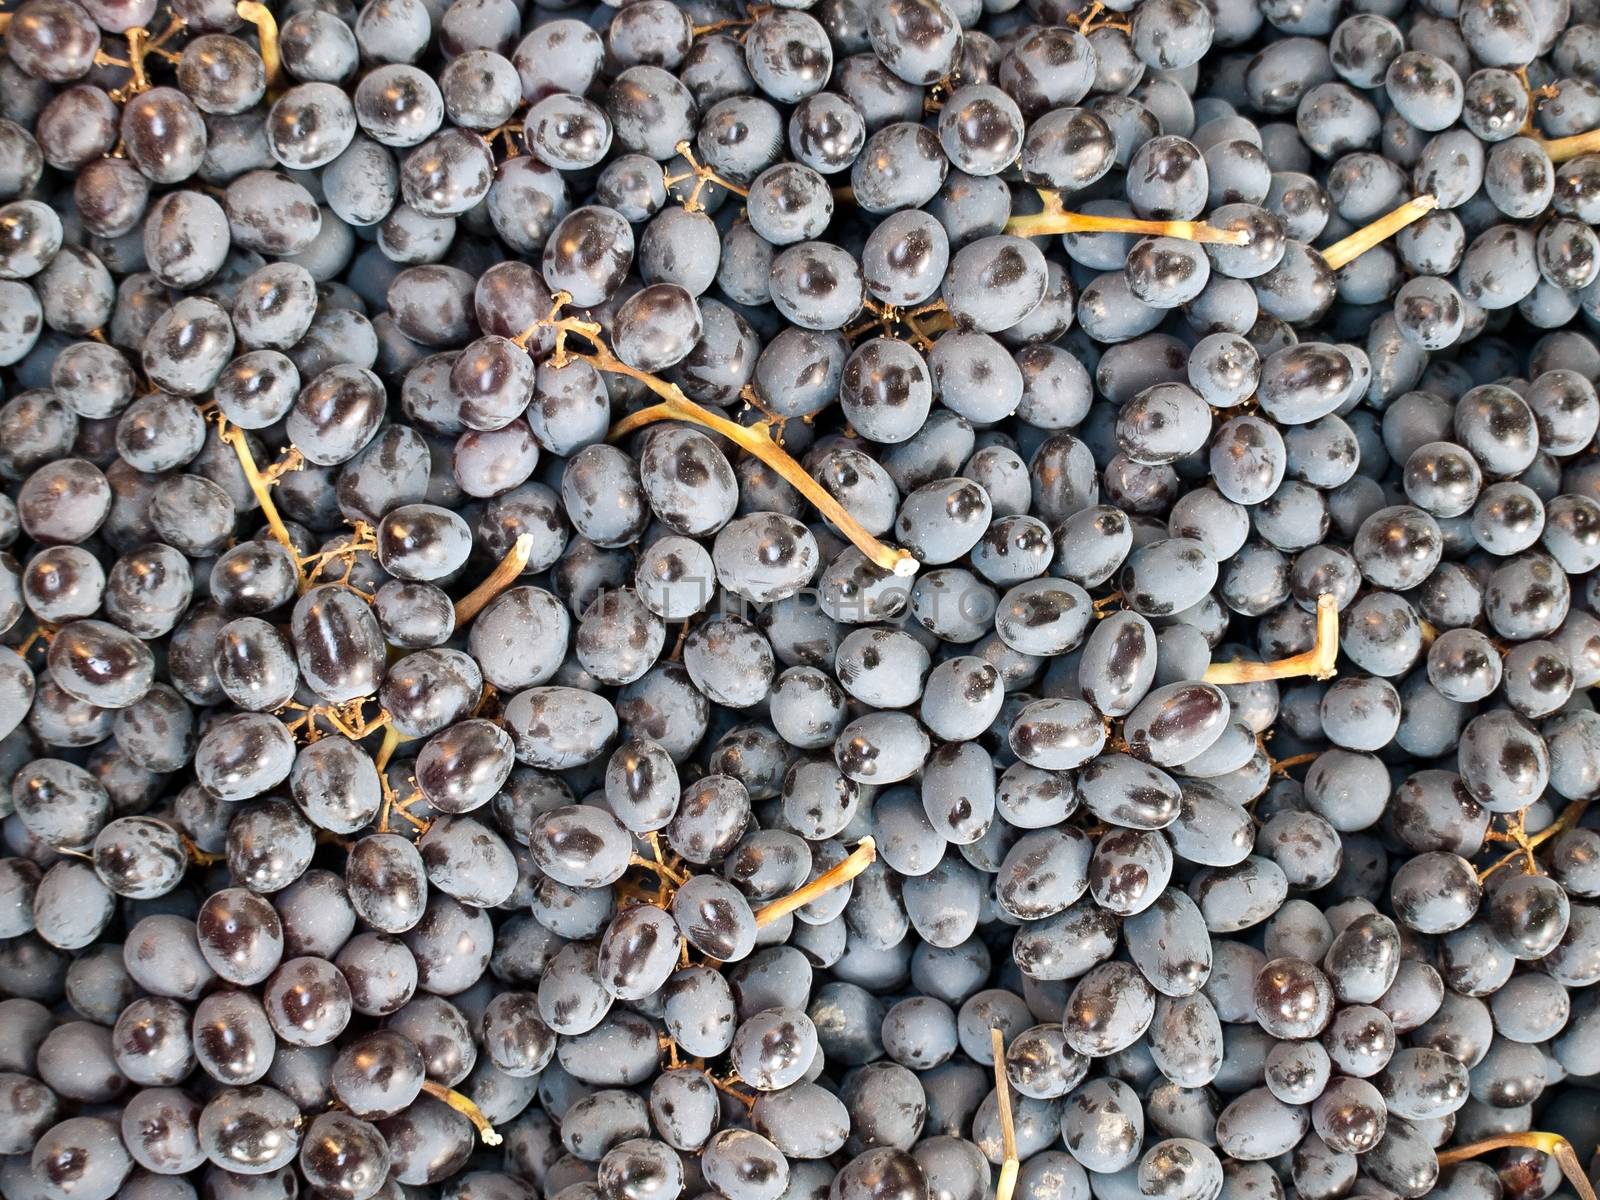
x=1317 y=662
x=1056 y=219
x=860 y=859
x=1347 y=250
x=1008 y=1130
x=503 y=576
x=1552 y=1144
x=266 y=25
x=466 y=1108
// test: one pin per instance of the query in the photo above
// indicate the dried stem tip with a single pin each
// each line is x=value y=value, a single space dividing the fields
x=466 y=1108
x=1318 y=662
x=1347 y=250
x=1553 y=1144
x=1008 y=1129
x=1056 y=219
x=502 y=577
x=860 y=858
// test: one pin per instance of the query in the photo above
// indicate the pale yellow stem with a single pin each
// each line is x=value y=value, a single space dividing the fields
x=466 y=1108
x=392 y=738
x=755 y=439
x=1008 y=1129
x=860 y=859
x=502 y=577
x=266 y=25
x=1563 y=149
x=1318 y=662
x=1553 y=1144
x=259 y=483
x=1347 y=250
x=702 y=175
x=1056 y=219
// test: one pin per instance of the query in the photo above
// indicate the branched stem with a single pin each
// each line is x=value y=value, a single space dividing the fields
x=260 y=484
x=466 y=1108
x=199 y=857
x=1553 y=1144
x=755 y=439
x=1318 y=662
x=363 y=537
x=702 y=175
x=137 y=39
x=502 y=577
x=1347 y=250
x=728 y=1085
x=1093 y=17
x=860 y=859
x=42 y=632
x=1008 y=1130
x=1056 y=219
x=1525 y=843
x=140 y=46
x=392 y=738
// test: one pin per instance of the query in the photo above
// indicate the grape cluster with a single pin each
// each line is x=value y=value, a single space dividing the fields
x=835 y=600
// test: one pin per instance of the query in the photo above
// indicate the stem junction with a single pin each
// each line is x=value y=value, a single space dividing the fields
x=756 y=438
x=1010 y=1165
x=1553 y=1144
x=1318 y=662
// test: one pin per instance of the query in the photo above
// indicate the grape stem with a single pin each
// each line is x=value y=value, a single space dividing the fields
x=1553 y=1144
x=1106 y=605
x=1526 y=843
x=1092 y=18
x=860 y=859
x=756 y=439
x=1564 y=149
x=740 y=23
x=42 y=632
x=266 y=25
x=466 y=1108
x=1282 y=766
x=702 y=175
x=392 y=738
x=728 y=1086
x=1008 y=1130
x=140 y=46
x=197 y=856
x=1056 y=219
x=922 y=324
x=1347 y=250
x=1318 y=662
x=1561 y=149
x=503 y=576
x=261 y=486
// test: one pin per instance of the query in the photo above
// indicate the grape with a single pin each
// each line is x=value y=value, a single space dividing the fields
x=477 y=744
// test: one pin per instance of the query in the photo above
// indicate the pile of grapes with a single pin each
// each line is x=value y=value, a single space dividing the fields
x=826 y=600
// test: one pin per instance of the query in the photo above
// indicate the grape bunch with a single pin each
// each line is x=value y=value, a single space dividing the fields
x=827 y=600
